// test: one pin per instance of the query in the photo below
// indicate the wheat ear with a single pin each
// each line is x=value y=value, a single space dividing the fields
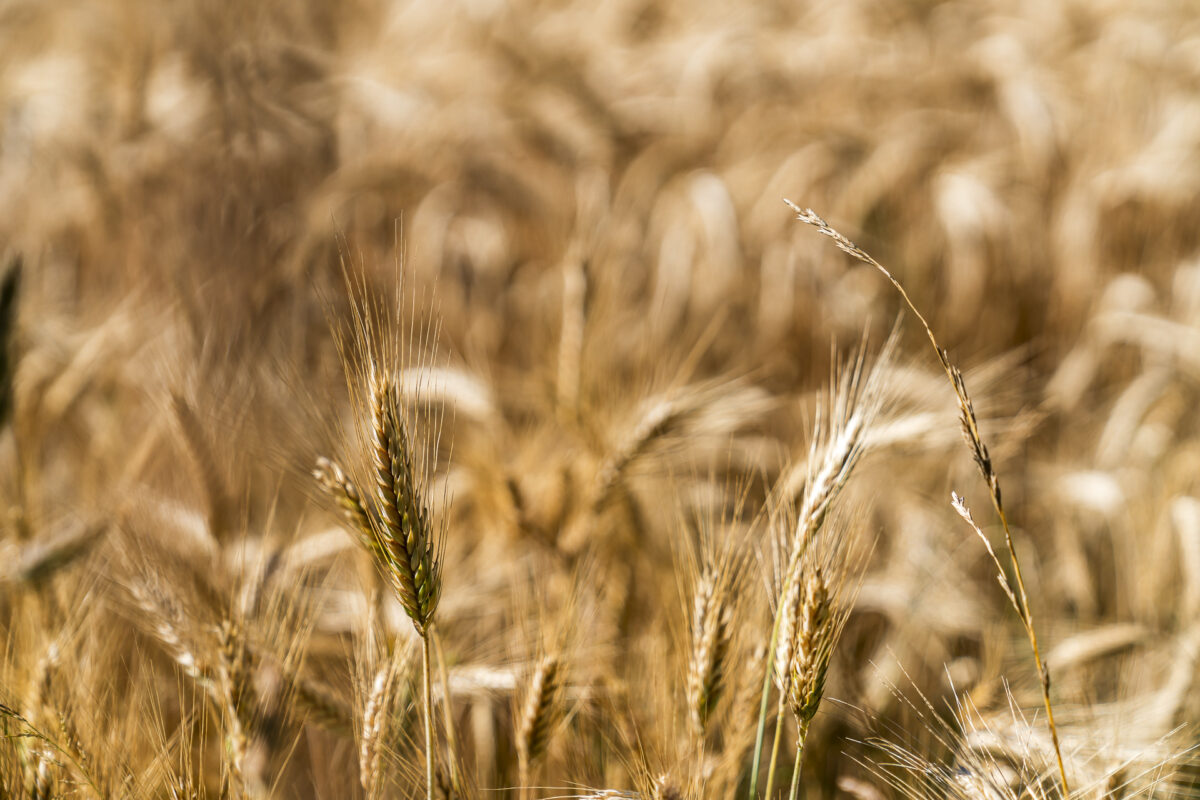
x=374 y=718
x=403 y=534
x=398 y=534
x=712 y=617
x=816 y=614
x=405 y=538
x=979 y=452
x=539 y=713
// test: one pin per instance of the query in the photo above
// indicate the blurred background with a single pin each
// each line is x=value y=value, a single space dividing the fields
x=586 y=201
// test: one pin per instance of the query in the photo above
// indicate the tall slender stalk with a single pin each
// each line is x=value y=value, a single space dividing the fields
x=428 y=686
x=762 y=715
x=395 y=529
x=775 y=747
x=979 y=452
x=801 y=737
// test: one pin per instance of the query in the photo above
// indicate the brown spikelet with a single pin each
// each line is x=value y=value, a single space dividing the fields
x=334 y=481
x=540 y=711
x=403 y=533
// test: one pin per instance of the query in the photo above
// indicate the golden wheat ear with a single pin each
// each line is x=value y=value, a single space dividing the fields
x=711 y=632
x=404 y=532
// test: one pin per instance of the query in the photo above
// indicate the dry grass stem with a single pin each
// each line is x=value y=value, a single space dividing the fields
x=979 y=452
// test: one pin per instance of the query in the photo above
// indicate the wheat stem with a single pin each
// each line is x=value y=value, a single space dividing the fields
x=775 y=746
x=429 y=755
x=801 y=738
x=447 y=712
x=764 y=705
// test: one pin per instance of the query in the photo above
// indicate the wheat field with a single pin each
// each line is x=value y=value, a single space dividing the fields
x=629 y=399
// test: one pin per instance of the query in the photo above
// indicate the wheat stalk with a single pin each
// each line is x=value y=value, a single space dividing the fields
x=982 y=458
x=230 y=683
x=837 y=446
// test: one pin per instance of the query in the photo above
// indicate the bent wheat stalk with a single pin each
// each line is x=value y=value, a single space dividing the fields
x=979 y=452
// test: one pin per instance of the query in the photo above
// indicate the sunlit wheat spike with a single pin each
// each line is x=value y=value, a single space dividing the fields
x=814 y=630
x=403 y=532
x=540 y=711
x=231 y=684
x=856 y=398
x=711 y=624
